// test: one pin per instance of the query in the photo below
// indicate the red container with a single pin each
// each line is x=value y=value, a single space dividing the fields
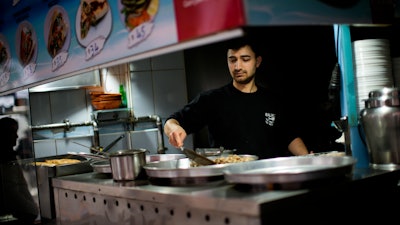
x=199 y=18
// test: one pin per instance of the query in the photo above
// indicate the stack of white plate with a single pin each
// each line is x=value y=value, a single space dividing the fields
x=396 y=71
x=372 y=67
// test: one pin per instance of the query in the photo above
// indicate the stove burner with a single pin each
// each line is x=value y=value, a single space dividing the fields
x=185 y=181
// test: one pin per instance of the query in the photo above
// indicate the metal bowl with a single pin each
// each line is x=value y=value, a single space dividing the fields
x=102 y=166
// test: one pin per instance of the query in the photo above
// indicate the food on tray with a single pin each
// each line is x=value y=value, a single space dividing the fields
x=232 y=158
x=57 y=33
x=135 y=12
x=92 y=11
x=27 y=45
x=56 y=162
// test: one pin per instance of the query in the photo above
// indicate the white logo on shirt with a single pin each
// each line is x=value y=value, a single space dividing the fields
x=269 y=119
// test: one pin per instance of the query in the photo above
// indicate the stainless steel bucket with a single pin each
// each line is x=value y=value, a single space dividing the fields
x=127 y=164
x=381 y=124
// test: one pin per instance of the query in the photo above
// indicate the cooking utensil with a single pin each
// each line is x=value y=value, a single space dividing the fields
x=89 y=155
x=288 y=169
x=102 y=150
x=163 y=157
x=104 y=166
x=108 y=147
x=91 y=148
x=182 y=168
x=127 y=164
x=199 y=159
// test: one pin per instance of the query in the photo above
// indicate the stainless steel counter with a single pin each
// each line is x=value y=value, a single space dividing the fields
x=93 y=198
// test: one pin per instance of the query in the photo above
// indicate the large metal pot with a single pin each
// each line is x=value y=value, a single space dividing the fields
x=127 y=164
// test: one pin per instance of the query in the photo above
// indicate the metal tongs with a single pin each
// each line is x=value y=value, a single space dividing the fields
x=199 y=159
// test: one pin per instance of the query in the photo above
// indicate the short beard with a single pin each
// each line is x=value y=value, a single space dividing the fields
x=245 y=81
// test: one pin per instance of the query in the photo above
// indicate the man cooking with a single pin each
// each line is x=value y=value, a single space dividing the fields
x=240 y=115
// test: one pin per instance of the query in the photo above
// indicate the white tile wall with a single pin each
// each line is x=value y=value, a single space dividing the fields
x=158 y=87
x=56 y=107
x=173 y=60
x=40 y=108
x=142 y=93
x=167 y=99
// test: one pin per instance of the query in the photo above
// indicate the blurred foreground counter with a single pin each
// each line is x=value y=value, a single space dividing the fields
x=94 y=198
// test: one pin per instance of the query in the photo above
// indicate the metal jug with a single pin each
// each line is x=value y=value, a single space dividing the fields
x=380 y=120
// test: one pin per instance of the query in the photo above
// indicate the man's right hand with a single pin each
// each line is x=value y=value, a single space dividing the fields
x=175 y=133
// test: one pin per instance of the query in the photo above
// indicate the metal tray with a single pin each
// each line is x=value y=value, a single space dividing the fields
x=288 y=169
x=181 y=168
x=163 y=157
x=64 y=170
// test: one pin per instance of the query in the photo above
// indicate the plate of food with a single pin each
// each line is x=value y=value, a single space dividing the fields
x=136 y=12
x=93 y=20
x=57 y=30
x=26 y=43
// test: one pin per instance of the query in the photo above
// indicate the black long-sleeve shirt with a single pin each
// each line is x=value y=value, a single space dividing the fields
x=252 y=123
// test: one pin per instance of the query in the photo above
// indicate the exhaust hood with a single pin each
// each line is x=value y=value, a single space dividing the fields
x=88 y=79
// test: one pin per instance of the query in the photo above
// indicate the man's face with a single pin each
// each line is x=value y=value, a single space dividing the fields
x=243 y=64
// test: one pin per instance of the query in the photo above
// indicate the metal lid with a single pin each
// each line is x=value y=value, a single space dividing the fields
x=386 y=91
x=383 y=97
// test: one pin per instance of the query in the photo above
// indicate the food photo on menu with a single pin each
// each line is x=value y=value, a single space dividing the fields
x=26 y=43
x=93 y=20
x=4 y=55
x=136 y=12
x=57 y=27
x=91 y=13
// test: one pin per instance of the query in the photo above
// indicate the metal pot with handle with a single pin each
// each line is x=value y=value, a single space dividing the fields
x=127 y=164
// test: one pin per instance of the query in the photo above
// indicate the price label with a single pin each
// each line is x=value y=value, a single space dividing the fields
x=95 y=47
x=29 y=69
x=59 y=60
x=139 y=33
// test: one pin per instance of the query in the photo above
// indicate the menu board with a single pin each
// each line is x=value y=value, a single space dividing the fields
x=40 y=39
x=44 y=39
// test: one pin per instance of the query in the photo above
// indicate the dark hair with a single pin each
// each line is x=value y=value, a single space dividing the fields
x=237 y=43
x=7 y=123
